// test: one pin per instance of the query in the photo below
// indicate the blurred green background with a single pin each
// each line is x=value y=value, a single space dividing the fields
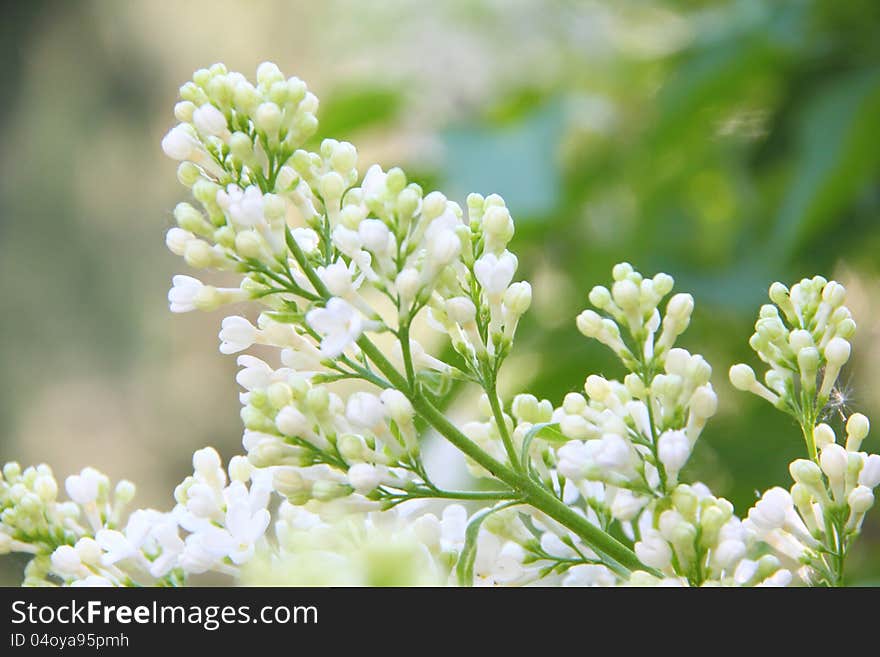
x=729 y=144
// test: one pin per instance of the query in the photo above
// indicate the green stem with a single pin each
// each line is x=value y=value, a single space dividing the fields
x=810 y=442
x=498 y=413
x=618 y=557
x=456 y=494
x=406 y=350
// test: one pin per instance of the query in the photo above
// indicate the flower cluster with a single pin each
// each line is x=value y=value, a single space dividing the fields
x=88 y=541
x=813 y=524
x=804 y=348
x=334 y=486
x=699 y=540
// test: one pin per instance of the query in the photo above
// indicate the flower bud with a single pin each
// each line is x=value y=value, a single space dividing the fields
x=573 y=403
x=240 y=469
x=704 y=402
x=823 y=435
x=742 y=377
x=653 y=551
x=332 y=186
x=621 y=270
x=860 y=499
x=364 y=478
x=518 y=298
x=805 y=472
x=870 y=474
x=833 y=461
x=626 y=294
x=857 y=427
x=268 y=118
x=124 y=491
x=837 y=352
x=461 y=310
x=210 y=121
x=589 y=323
x=600 y=297
x=673 y=450
x=397 y=406
x=291 y=422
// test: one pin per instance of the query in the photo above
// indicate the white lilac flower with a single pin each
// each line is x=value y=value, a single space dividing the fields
x=495 y=273
x=339 y=324
x=236 y=334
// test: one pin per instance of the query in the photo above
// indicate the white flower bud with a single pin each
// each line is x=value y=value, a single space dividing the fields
x=800 y=339
x=46 y=488
x=66 y=561
x=626 y=505
x=870 y=474
x=860 y=499
x=332 y=186
x=742 y=377
x=461 y=310
x=443 y=248
x=729 y=552
x=680 y=308
x=176 y=239
x=673 y=450
x=857 y=427
x=518 y=298
x=344 y=157
x=833 y=294
x=805 y=472
x=124 y=491
x=833 y=460
x=574 y=403
x=498 y=227
x=240 y=469
x=291 y=422
x=364 y=478
x=589 y=323
x=364 y=410
x=407 y=284
x=769 y=512
x=337 y=278
x=210 y=121
x=494 y=273
x=525 y=407
x=374 y=235
x=180 y=143
x=704 y=402
x=823 y=435
x=600 y=297
x=575 y=427
x=183 y=111
x=626 y=294
x=653 y=551
x=268 y=118
x=397 y=405
x=621 y=270
x=837 y=352
x=84 y=488
x=236 y=334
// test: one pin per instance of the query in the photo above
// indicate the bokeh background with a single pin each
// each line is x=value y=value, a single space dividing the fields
x=728 y=143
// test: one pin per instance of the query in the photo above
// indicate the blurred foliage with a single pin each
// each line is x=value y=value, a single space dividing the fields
x=728 y=143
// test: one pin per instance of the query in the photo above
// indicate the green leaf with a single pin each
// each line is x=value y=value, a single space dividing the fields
x=838 y=155
x=544 y=430
x=348 y=110
x=464 y=568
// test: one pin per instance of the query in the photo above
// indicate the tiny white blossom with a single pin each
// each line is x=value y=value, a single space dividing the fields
x=339 y=324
